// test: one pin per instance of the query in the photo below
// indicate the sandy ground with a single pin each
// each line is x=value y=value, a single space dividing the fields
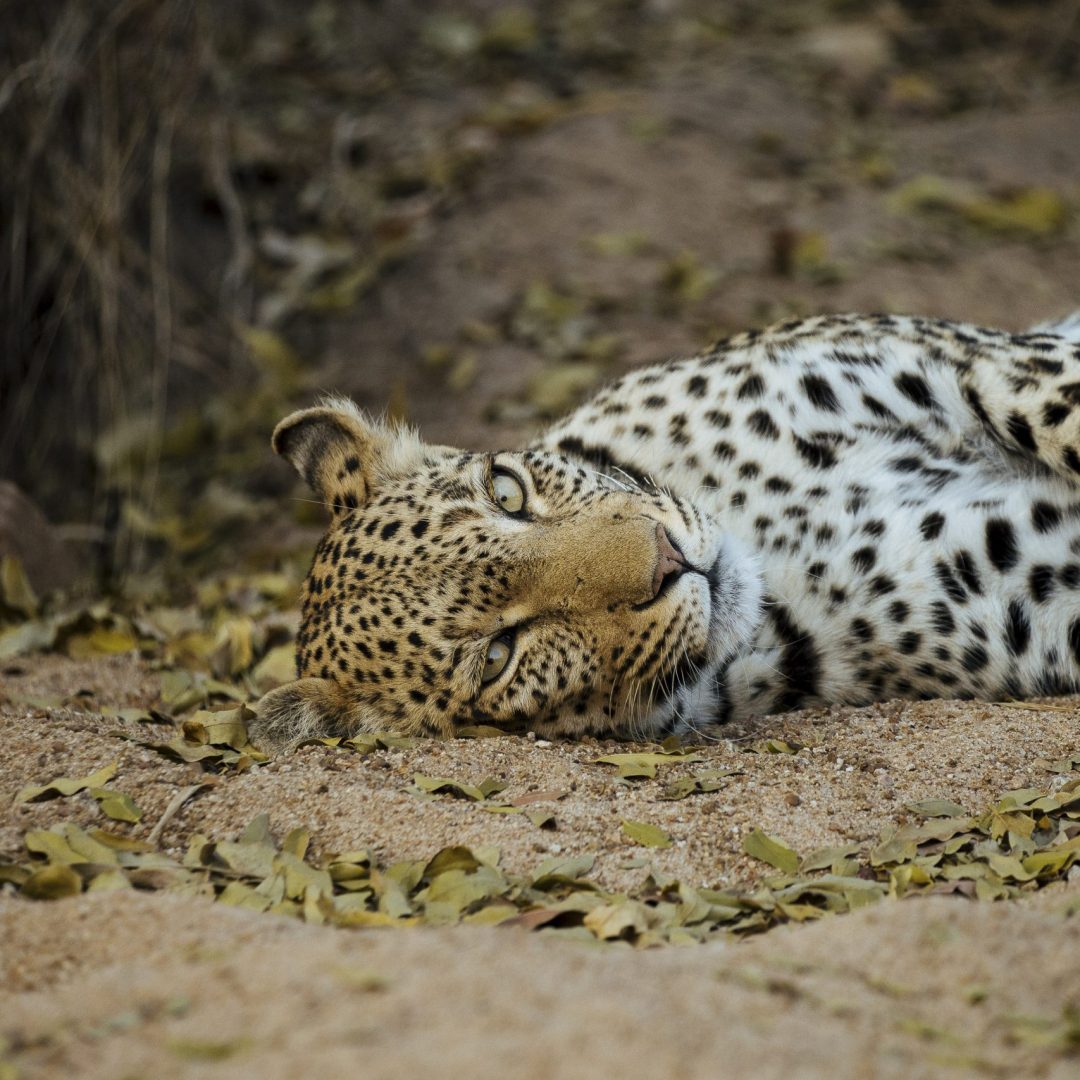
x=701 y=186
x=857 y=770
x=163 y=985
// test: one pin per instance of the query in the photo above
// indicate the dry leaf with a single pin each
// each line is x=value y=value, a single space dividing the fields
x=646 y=835
x=760 y=846
x=116 y=804
x=63 y=786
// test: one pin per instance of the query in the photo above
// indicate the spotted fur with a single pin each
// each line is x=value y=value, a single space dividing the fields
x=865 y=508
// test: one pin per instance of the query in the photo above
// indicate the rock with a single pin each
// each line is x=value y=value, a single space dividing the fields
x=26 y=534
x=855 y=53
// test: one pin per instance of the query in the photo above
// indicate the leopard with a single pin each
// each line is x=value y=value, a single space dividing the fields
x=835 y=510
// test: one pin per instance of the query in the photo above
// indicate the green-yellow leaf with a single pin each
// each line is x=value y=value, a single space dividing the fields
x=609 y=921
x=645 y=834
x=892 y=849
x=826 y=857
x=277 y=667
x=52 y=882
x=702 y=783
x=27 y=637
x=542 y=819
x=109 y=881
x=224 y=727
x=180 y=691
x=63 y=786
x=644 y=766
x=561 y=870
x=369 y=741
x=16 y=592
x=451 y=858
x=776 y=746
x=206 y=1049
x=490 y=786
x=116 y=804
x=440 y=785
x=300 y=877
x=935 y=808
x=101 y=641
x=479 y=731
x=237 y=894
x=761 y=846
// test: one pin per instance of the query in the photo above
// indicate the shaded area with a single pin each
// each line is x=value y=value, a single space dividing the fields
x=470 y=214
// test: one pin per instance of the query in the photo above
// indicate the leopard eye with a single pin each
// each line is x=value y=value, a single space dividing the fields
x=498 y=656
x=508 y=492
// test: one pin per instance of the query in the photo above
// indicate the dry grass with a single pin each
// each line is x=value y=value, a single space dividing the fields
x=98 y=106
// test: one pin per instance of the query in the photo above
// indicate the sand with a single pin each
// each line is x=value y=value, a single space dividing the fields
x=164 y=985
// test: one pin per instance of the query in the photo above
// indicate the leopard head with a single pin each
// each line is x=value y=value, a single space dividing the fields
x=522 y=590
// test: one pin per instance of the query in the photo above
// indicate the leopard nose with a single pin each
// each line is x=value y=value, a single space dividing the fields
x=670 y=562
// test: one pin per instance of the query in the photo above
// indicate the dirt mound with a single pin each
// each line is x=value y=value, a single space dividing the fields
x=167 y=986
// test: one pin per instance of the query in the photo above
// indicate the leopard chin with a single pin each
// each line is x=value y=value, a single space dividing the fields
x=736 y=595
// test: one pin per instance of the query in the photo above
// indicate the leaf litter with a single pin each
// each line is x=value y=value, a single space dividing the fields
x=1027 y=839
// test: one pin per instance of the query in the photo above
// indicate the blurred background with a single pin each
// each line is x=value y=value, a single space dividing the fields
x=468 y=214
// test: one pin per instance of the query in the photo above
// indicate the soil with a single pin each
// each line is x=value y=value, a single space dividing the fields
x=704 y=187
x=854 y=774
x=162 y=985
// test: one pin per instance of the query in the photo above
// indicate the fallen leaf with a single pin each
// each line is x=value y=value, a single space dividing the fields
x=760 y=846
x=52 y=882
x=646 y=835
x=16 y=592
x=64 y=786
x=206 y=1049
x=439 y=785
x=936 y=808
x=531 y=797
x=644 y=765
x=277 y=667
x=542 y=819
x=450 y=858
x=702 y=783
x=226 y=727
x=116 y=804
x=101 y=641
x=608 y=921
x=776 y=746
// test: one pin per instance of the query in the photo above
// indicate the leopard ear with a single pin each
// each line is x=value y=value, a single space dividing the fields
x=333 y=448
x=344 y=454
x=305 y=709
